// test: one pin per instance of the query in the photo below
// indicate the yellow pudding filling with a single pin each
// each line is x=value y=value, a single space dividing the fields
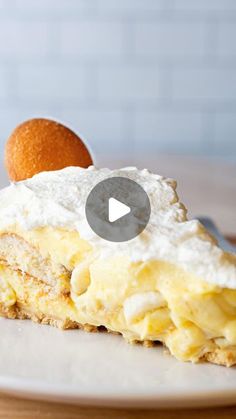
x=60 y=279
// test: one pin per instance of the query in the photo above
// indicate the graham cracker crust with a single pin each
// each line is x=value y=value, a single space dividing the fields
x=224 y=357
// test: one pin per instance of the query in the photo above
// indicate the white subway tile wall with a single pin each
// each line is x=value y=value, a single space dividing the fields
x=131 y=76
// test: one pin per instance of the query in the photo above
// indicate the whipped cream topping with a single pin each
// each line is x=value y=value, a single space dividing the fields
x=58 y=199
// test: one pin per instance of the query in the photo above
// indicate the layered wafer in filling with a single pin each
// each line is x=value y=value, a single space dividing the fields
x=170 y=284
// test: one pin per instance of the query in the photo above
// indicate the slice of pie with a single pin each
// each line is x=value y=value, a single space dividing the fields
x=170 y=284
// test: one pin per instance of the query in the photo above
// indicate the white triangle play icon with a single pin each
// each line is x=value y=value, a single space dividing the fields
x=116 y=209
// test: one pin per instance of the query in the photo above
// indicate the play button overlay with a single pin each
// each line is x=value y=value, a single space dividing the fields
x=118 y=209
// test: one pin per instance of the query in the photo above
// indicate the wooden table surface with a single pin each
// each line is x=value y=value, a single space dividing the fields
x=208 y=188
x=12 y=408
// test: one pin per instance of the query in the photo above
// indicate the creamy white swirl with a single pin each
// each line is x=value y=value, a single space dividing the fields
x=58 y=199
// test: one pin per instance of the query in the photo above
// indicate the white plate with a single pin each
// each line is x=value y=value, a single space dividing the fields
x=42 y=362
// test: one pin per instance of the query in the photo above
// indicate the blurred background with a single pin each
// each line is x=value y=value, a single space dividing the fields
x=131 y=76
x=137 y=79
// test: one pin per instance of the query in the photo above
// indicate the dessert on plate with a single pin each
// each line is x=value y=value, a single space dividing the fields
x=170 y=284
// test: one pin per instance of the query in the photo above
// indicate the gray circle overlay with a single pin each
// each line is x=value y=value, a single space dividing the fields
x=129 y=193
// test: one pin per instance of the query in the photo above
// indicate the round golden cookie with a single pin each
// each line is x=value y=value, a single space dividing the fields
x=41 y=145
